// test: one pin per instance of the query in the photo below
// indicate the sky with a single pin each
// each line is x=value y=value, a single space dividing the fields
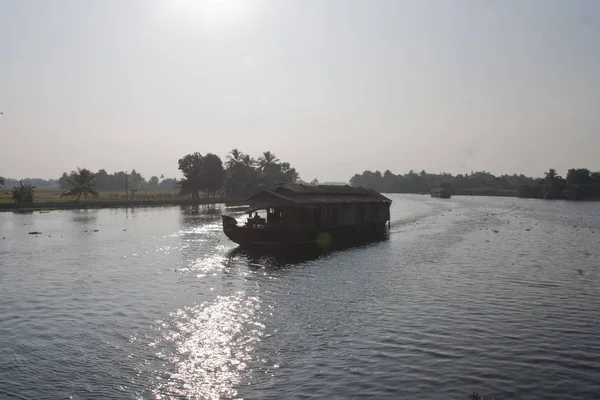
x=334 y=87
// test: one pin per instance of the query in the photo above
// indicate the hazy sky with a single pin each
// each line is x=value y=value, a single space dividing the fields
x=332 y=86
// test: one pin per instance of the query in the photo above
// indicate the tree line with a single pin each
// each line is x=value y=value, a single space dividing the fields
x=38 y=182
x=580 y=183
x=118 y=180
x=423 y=182
x=103 y=181
x=203 y=176
x=241 y=175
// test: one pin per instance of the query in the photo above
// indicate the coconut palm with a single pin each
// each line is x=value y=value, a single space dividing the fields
x=82 y=183
x=248 y=161
x=234 y=158
x=267 y=160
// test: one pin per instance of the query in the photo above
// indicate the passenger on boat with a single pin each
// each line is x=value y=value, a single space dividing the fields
x=256 y=220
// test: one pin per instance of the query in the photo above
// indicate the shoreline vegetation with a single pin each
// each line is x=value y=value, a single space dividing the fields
x=206 y=180
x=579 y=184
x=209 y=180
x=114 y=203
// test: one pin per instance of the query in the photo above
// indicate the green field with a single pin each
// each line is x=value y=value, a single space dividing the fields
x=53 y=196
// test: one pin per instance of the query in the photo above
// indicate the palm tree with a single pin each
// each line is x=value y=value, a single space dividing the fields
x=266 y=160
x=234 y=158
x=82 y=182
x=248 y=161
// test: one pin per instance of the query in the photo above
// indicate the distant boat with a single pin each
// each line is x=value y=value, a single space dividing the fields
x=441 y=192
x=302 y=214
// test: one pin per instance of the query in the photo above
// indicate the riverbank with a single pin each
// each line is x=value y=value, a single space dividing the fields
x=88 y=204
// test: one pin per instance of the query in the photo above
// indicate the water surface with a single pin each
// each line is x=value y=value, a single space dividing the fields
x=494 y=295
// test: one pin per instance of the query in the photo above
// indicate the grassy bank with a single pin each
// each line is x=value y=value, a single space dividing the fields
x=53 y=196
x=51 y=200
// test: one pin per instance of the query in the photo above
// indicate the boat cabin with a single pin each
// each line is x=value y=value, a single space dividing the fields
x=444 y=193
x=302 y=206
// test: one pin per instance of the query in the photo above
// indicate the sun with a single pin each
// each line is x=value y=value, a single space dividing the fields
x=210 y=12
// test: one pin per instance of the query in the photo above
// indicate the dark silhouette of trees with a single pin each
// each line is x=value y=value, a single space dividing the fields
x=267 y=160
x=205 y=175
x=553 y=185
x=135 y=180
x=153 y=183
x=201 y=173
x=234 y=158
x=242 y=179
x=82 y=183
x=191 y=167
x=245 y=175
x=37 y=182
x=116 y=181
x=213 y=174
x=2 y=179
x=579 y=184
x=248 y=160
x=168 y=184
x=104 y=180
x=241 y=176
x=63 y=181
x=289 y=174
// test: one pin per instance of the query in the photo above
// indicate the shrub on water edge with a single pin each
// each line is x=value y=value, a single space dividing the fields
x=23 y=193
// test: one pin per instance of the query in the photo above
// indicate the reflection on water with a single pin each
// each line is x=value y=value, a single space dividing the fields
x=84 y=216
x=277 y=257
x=214 y=342
x=204 y=209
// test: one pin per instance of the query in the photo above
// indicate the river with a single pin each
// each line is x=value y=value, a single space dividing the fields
x=499 y=296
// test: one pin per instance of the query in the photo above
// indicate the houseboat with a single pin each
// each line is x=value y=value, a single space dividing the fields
x=441 y=192
x=295 y=214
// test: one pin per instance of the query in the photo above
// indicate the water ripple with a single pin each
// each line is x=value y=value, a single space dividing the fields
x=493 y=295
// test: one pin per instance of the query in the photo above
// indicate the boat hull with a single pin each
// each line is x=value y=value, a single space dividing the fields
x=322 y=237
